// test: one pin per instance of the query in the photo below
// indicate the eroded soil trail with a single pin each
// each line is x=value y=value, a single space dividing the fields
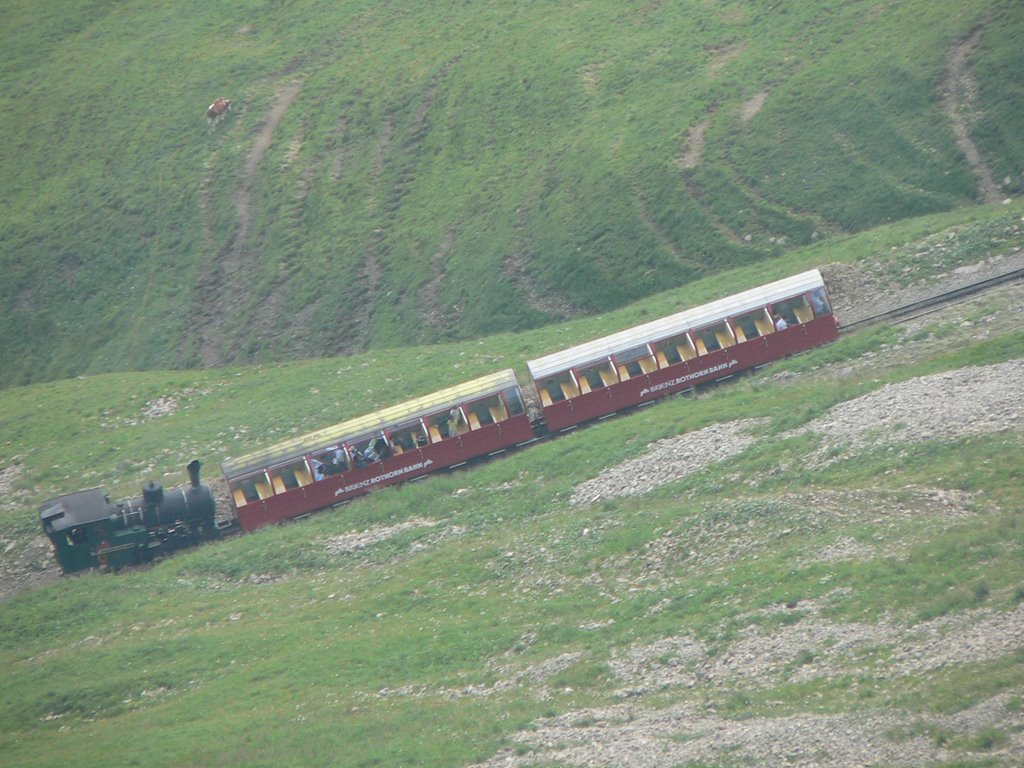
x=224 y=285
x=959 y=101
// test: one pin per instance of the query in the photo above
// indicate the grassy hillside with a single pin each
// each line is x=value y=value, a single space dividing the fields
x=805 y=596
x=393 y=175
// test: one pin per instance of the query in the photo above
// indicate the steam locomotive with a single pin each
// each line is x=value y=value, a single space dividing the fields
x=566 y=389
x=87 y=531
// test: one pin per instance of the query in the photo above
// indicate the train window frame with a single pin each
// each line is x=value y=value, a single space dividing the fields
x=376 y=443
x=293 y=475
x=567 y=388
x=481 y=412
x=674 y=349
x=701 y=340
x=415 y=431
x=820 y=295
x=440 y=424
x=588 y=372
x=336 y=452
x=802 y=309
x=634 y=362
x=760 y=319
x=796 y=310
x=249 y=487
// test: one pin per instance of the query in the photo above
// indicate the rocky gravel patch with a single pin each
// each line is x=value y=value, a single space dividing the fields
x=690 y=734
x=967 y=402
x=25 y=565
x=633 y=734
x=668 y=460
x=25 y=562
x=347 y=543
x=743 y=529
x=941 y=262
x=813 y=648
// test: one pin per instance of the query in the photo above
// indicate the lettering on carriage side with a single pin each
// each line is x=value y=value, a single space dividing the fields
x=688 y=377
x=384 y=476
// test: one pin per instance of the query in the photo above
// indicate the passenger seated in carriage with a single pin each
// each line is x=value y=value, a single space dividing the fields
x=819 y=302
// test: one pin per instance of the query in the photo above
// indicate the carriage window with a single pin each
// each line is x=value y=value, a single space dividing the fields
x=290 y=477
x=716 y=337
x=782 y=309
x=794 y=311
x=801 y=309
x=330 y=461
x=251 y=489
x=674 y=350
x=753 y=324
x=596 y=376
x=447 y=424
x=369 y=449
x=78 y=536
x=557 y=388
x=635 y=362
x=488 y=411
x=407 y=437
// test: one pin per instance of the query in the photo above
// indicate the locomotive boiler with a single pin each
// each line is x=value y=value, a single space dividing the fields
x=88 y=531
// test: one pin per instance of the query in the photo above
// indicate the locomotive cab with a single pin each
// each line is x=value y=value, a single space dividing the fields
x=72 y=523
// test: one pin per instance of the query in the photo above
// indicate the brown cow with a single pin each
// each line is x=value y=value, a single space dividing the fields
x=217 y=110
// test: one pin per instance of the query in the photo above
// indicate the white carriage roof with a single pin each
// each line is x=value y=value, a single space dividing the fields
x=673 y=325
x=394 y=415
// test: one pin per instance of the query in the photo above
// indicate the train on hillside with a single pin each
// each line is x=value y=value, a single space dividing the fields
x=448 y=428
x=88 y=531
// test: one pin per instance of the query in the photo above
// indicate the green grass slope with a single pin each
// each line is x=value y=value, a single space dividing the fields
x=394 y=175
x=486 y=620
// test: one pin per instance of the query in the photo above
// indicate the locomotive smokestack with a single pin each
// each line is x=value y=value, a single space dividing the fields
x=193 y=472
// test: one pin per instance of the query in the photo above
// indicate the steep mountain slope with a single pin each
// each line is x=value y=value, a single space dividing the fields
x=390 y=175
x=815 y=565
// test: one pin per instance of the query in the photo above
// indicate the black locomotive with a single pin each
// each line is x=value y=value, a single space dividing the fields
x=87 y=531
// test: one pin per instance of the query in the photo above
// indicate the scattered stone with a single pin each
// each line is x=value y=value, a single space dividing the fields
x=668 y=460
x=353 y=542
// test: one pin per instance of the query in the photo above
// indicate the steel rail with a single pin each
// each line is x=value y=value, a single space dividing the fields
x=933 y=303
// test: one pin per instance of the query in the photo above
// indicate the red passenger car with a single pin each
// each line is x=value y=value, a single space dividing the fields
x=675 y=353
x=393 y=445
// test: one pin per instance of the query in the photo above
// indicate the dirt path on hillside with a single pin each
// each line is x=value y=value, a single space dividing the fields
x=959 y=92
x=516 y=269
x=752 y=106
x=693 y=148
x=224 y=285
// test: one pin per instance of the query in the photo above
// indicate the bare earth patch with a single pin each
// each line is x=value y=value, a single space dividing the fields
x=228 y=277
x=752 y=106
x=693 y=148
x=959 y=92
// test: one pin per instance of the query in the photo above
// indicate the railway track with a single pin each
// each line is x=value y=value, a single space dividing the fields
x=933 y=303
